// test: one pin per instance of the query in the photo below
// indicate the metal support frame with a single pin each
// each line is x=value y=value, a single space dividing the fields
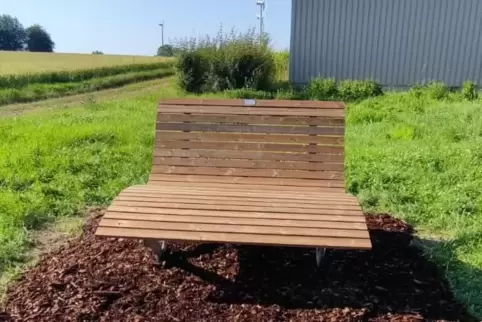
x=158 y=247
x=320 y=253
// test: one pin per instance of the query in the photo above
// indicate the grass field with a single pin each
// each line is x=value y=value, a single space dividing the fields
x=409 y=155
x=26 y=62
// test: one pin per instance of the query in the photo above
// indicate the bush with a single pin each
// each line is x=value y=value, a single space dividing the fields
x=354 y=90
x=226 y=62
x=437 y=90
x=322 y=89
x=469 y=91
x=192 y=71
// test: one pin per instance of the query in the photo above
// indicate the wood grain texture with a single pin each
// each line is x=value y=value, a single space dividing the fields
x=247 y=164
x=251 y=119
x=249 y=155
x=259 y=103
x=251 y=111
x=162 y=143
x=259 y=239
x=196 y=127
x=160 y=179
x=248 y=137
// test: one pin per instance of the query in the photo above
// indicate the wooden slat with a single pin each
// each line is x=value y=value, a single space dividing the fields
x=259 y=103
x=157 y=179
x=243 y=187
x=267 y=195
x=250 y=119
x=247 y=137
x=247 y=164
x=223 y=206
x=196 y=127
x=244 y=229
x=244 y=146
x=330 y=242
x=152 y=208
x=251 y=111
x=311 y=208
x=236 y=221
x=325 y=175
x=250 y=155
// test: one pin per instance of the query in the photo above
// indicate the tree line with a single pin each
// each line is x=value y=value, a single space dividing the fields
x=14 y=37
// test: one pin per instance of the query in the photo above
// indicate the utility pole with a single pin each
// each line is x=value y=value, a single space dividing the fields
x=162 y=32
x=261 y=4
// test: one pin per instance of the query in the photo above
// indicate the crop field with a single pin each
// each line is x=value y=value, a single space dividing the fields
x=36 y=76
x=27 y=62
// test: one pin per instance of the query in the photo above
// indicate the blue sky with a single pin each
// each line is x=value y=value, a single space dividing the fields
x=130 y=26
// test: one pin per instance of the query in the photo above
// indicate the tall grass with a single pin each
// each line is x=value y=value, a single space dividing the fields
x=282 y=63
x=22 y=80
x=227 y=61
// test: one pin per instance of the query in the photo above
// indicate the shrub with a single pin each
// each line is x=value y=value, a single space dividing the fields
x=353 y=90
x=469 y=91
x=226 y=62
x=322 y=89
x=191 y=71
x=437 y=90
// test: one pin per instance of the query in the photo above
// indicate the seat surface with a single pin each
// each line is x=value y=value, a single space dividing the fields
x=231 y=212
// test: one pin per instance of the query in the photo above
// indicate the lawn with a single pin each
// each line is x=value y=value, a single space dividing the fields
x=409 y=155
x=27 y=62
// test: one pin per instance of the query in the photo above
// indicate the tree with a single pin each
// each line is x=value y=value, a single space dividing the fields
x=97 y=52
x=167 y=50
x=38 y=39
x=12 y=33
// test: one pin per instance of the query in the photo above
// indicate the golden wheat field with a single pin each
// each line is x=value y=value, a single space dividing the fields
x=27 y=62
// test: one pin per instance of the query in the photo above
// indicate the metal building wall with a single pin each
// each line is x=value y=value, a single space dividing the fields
x=396 y=42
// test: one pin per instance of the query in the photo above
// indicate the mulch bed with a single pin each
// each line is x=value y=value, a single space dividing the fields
x=118 y=280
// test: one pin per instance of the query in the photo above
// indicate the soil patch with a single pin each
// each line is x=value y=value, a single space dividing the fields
x=95 y=279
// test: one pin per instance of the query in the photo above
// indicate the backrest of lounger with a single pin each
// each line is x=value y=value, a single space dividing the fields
x=251 y=138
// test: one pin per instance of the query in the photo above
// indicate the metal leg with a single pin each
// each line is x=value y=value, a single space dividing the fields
x=159 y=248
x=320 y=253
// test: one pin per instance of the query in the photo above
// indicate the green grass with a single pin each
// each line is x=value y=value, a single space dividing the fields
x=15 y=62
x=407 y=154
x=35 y=92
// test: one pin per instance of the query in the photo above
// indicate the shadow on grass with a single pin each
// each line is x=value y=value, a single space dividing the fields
x=395 y=277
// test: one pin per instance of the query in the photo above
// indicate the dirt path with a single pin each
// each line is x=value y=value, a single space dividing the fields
x=131 y=90
x=117 y=280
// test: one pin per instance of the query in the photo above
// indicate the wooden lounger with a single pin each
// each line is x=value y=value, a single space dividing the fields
x=244 y=171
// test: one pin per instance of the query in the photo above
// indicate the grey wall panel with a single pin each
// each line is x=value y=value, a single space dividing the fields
x=396 y=42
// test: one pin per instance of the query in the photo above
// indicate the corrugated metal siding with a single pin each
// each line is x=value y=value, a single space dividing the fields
x=396 y=42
